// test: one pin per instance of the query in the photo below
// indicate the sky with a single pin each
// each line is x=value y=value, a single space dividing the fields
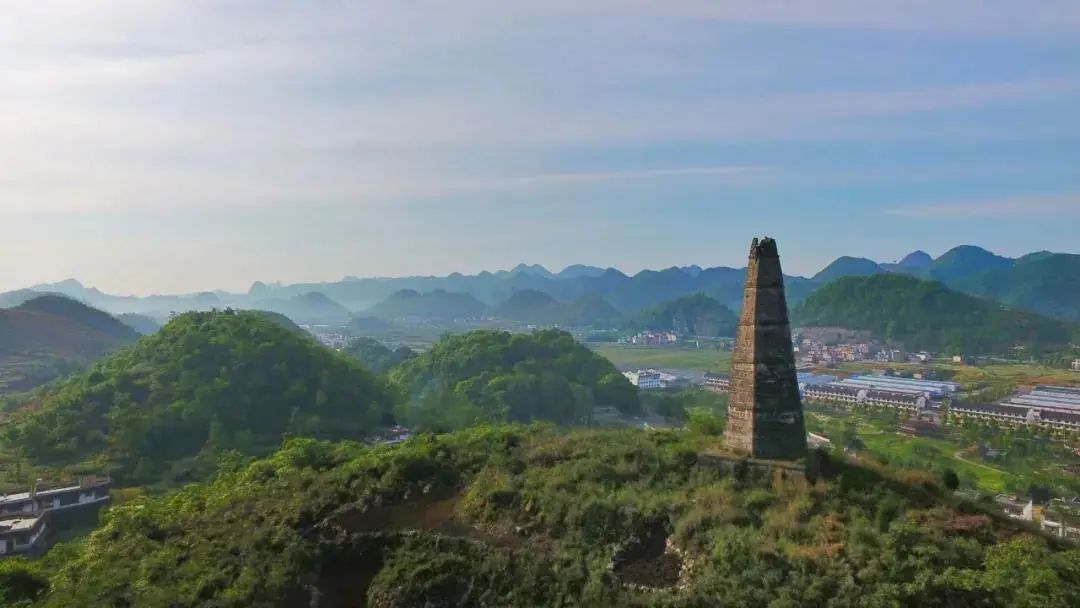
x=187 y=145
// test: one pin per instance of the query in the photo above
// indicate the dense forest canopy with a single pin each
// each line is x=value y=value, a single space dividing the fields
x=697 y=315
x=376 y=356
x=929 y=315
x=513 y=516
x=205 y=383
x=498 y=376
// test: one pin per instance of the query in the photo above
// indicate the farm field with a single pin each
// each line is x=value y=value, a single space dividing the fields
x=689 y=359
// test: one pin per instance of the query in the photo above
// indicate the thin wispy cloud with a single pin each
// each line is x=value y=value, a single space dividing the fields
x=383 y=110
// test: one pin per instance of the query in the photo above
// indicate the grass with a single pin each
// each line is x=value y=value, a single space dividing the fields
x=956 y=451
x=666 y=357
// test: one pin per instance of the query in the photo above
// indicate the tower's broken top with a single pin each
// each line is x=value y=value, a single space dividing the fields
x=765 y=417
x=765 y=248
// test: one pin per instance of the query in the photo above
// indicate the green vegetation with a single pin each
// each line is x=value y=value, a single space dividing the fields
x=928 y=315
x=1048 y=284
x=530 y=306
x=847 y=266
x=375 y=356
x=962 y=262
x=66 y=308
x=538 y=308
x=704 y=359
x=49 y=336
x=695 y=315
x=165 y=408
x=1026 y=459
x=514 y=516
x=486 y=376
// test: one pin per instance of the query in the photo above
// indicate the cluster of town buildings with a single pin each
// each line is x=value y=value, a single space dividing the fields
x=817 y=353
x=26 y=518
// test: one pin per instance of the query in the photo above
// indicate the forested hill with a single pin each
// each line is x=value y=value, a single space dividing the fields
x=48 y=336
x=929 y=315
x=538 y=308
x=60 y=306
x=495 y=376
x=376 y=356
x=697 y=315
x=1047 y=283
x=164 y=408
x=511 y=516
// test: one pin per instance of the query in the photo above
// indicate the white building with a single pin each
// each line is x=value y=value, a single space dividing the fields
x=644 y=379
x=1076 y=365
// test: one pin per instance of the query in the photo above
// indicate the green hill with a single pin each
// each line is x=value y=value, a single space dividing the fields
x=375 y=356
x=539 y=308
x=1047 y=283
x=49 y=336
x=530 y=306
x=929 y=315
x=591 y=311
x=511 y=516
x=961 y=262
x=434 y=305
x=60 y=306
x=697 y=315
x=494 y=376
x=313 y=308
x=207 y=382
x=847 y=266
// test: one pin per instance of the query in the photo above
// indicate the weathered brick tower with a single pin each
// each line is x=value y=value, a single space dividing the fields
x=765 y=414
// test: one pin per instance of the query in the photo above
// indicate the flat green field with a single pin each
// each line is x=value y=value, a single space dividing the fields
x=690 y=359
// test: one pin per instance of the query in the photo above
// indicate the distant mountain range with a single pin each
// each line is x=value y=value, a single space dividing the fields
x=1044 y=282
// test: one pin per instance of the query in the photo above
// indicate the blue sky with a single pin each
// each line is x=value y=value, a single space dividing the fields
x=182 y=145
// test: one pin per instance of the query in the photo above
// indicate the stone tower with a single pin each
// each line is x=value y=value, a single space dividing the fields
x=765 y=414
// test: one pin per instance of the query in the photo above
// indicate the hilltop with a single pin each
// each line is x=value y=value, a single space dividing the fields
x=47 y=336
x=1047 y=283
x=312 y=308
x=697 y=315
x=513 y=516
x=496 y=376
x=929 y=315
x=205 y=383
x=376 y=356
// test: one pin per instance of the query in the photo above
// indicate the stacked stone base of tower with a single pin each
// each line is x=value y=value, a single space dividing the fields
x=765 y=414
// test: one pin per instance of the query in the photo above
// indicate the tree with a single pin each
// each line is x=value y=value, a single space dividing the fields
x=950 y=479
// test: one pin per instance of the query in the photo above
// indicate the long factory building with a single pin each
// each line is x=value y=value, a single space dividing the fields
x=874 y=391
x=1052 y=407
